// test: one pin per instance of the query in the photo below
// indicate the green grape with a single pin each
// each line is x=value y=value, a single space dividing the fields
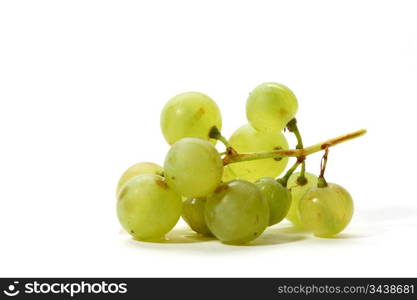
x=278 y=197
x=297 y=192
x=271 y=106
x=138 y=169
x=189 y=114
x=248 y=139
x=326 y=211
x=193 y=167
x=236 y=212
x=193 y=214
x=147 y=207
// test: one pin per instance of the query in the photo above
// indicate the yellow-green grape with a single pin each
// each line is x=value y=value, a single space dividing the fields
x=193 y=167
x=297 y=192
x=278 y=197
x=147 y=207
x=193 y=214
x=271 y=106
x=326 y=211
x=236 y=212
x=138 y=169
x=248 y=139
x=189 y=114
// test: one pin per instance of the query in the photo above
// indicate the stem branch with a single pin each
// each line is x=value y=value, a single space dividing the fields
x=292 y=127
x=323 y=163
x=284 y=179
x=239 y=157
x=215 y=134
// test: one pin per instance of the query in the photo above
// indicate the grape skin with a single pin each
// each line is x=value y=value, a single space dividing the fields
x=236 y=212
x=297 y=192
x=189 y=114
x=248 y=139
x=193 y=167
x=138 y=169
x=271 y=106
x=278 y=197
x=193 y=215
x=326 y=211
x=147 y=207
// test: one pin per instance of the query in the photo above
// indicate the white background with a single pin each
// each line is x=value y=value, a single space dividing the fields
x=82 y=84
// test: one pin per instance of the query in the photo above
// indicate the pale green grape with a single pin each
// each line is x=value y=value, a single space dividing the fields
x=236 y=212
x=297 y=192
x=248 y=139
x=278 y=197
x=193 y=167
x=326 y=211
x=147 y=207
x=271 y=106
x=193 y=214
x=189 y=114
x=138 y=169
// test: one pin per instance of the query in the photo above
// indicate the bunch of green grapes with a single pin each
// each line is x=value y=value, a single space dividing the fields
x=233 y=195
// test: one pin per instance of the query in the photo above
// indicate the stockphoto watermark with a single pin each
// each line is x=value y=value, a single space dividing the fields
x=71 y=289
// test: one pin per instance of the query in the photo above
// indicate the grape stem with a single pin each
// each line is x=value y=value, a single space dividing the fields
x=292 y=127
x=299 y=153
x=216 y=134
x=284 y=179
x=321 y=181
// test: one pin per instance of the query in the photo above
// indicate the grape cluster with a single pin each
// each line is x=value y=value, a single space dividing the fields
x=218 y=195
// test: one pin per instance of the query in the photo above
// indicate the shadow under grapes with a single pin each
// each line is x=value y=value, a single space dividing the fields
x=278 y=236
x=271 y=236
x=179 y=236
